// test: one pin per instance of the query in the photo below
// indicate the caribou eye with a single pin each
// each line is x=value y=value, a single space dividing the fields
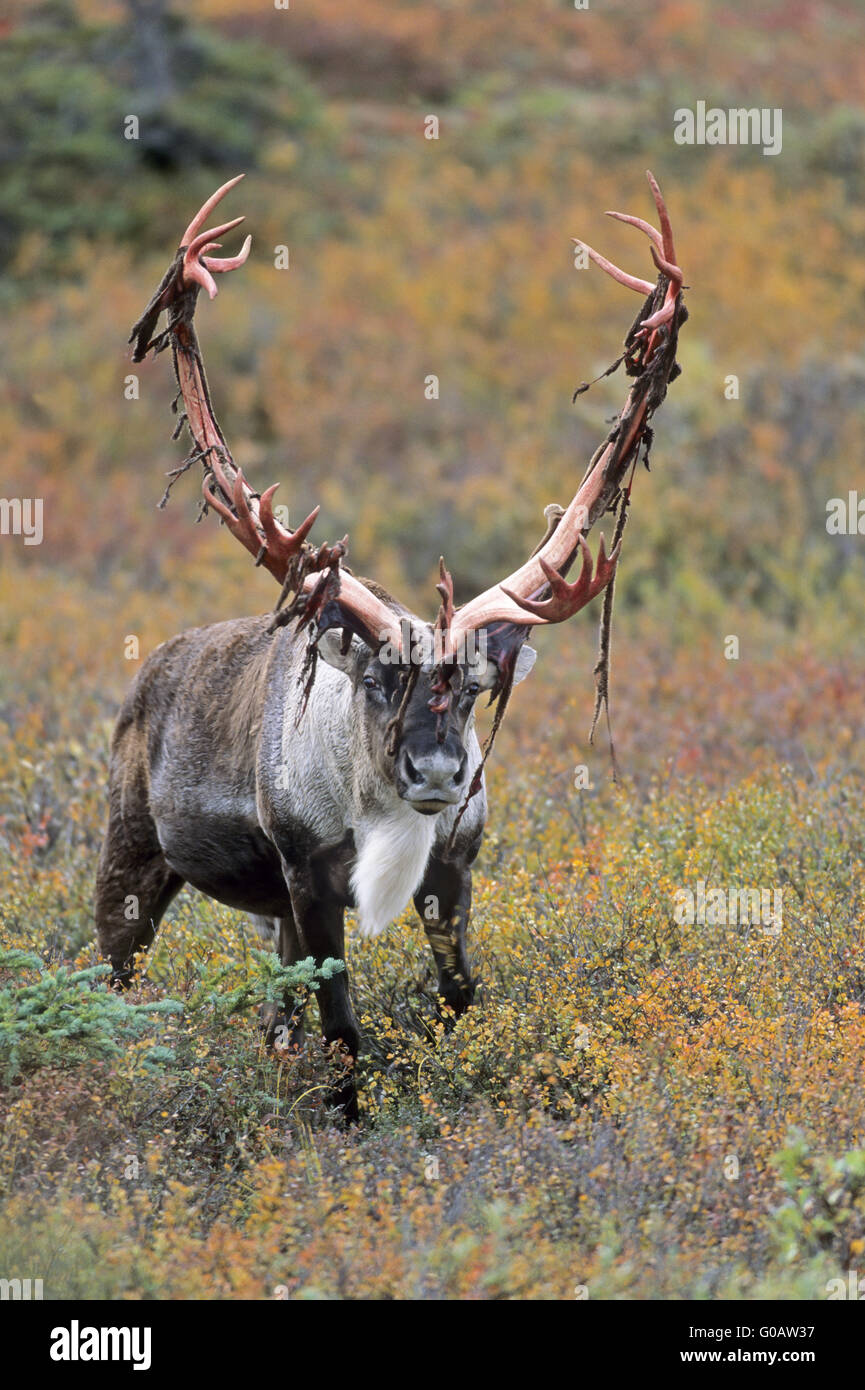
x=370 y=683
x=472 y=689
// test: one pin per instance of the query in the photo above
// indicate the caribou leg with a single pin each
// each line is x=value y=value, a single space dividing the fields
x=134 y=886
x=320 y=919
x=443 y=903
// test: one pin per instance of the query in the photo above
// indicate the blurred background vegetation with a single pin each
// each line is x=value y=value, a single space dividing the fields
x=452 y=257
x=411 y=257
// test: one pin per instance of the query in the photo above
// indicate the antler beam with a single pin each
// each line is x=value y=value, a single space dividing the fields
x=315 y=576
x=537 y=592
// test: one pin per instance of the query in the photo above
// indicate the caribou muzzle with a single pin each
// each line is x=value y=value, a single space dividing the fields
x=430 y=782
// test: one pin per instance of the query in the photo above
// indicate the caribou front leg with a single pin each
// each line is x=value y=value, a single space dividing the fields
x=320 y=919
x=443 y=903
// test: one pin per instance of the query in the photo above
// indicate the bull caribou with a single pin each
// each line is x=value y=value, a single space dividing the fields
x=324 y=756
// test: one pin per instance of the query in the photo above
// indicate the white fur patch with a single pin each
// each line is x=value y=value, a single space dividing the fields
x=392 y=855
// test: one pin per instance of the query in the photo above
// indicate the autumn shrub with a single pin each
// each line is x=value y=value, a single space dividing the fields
x=70 y=1017
x=824 y=1204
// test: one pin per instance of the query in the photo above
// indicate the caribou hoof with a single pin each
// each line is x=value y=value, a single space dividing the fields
x=457 y=995
x=343 y=1101
x=121 y=978
x=342 y=1095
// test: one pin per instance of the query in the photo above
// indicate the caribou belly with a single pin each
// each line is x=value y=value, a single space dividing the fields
x=223 y=854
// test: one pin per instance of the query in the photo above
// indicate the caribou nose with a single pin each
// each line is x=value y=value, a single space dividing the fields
x=436 y=777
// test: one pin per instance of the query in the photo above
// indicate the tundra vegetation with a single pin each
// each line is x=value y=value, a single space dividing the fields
x=636 y=1106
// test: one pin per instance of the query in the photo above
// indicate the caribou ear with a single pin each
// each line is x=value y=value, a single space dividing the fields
x=504 y=650
x=526 y=658
x=332 y=649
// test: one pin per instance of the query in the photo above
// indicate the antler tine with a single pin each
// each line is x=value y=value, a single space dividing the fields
x=274 y=533
x=240 y=522
x=663 y=315
x=445 y=590
x=567 y=599
x=642 y=224
x=198 y=274
x=196 y=266
x=196 y=246
x=206 y=209
x=663 y=218
x=241 y=506
x=633 y=282
x=276 y=548
x=224 y=263
x=672 y=272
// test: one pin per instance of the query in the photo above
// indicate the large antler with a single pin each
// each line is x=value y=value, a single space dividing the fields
x=538 y=592
x=324 y=593
x=314 y=576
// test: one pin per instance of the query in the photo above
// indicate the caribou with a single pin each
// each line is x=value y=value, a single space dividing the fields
x=324 y=756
